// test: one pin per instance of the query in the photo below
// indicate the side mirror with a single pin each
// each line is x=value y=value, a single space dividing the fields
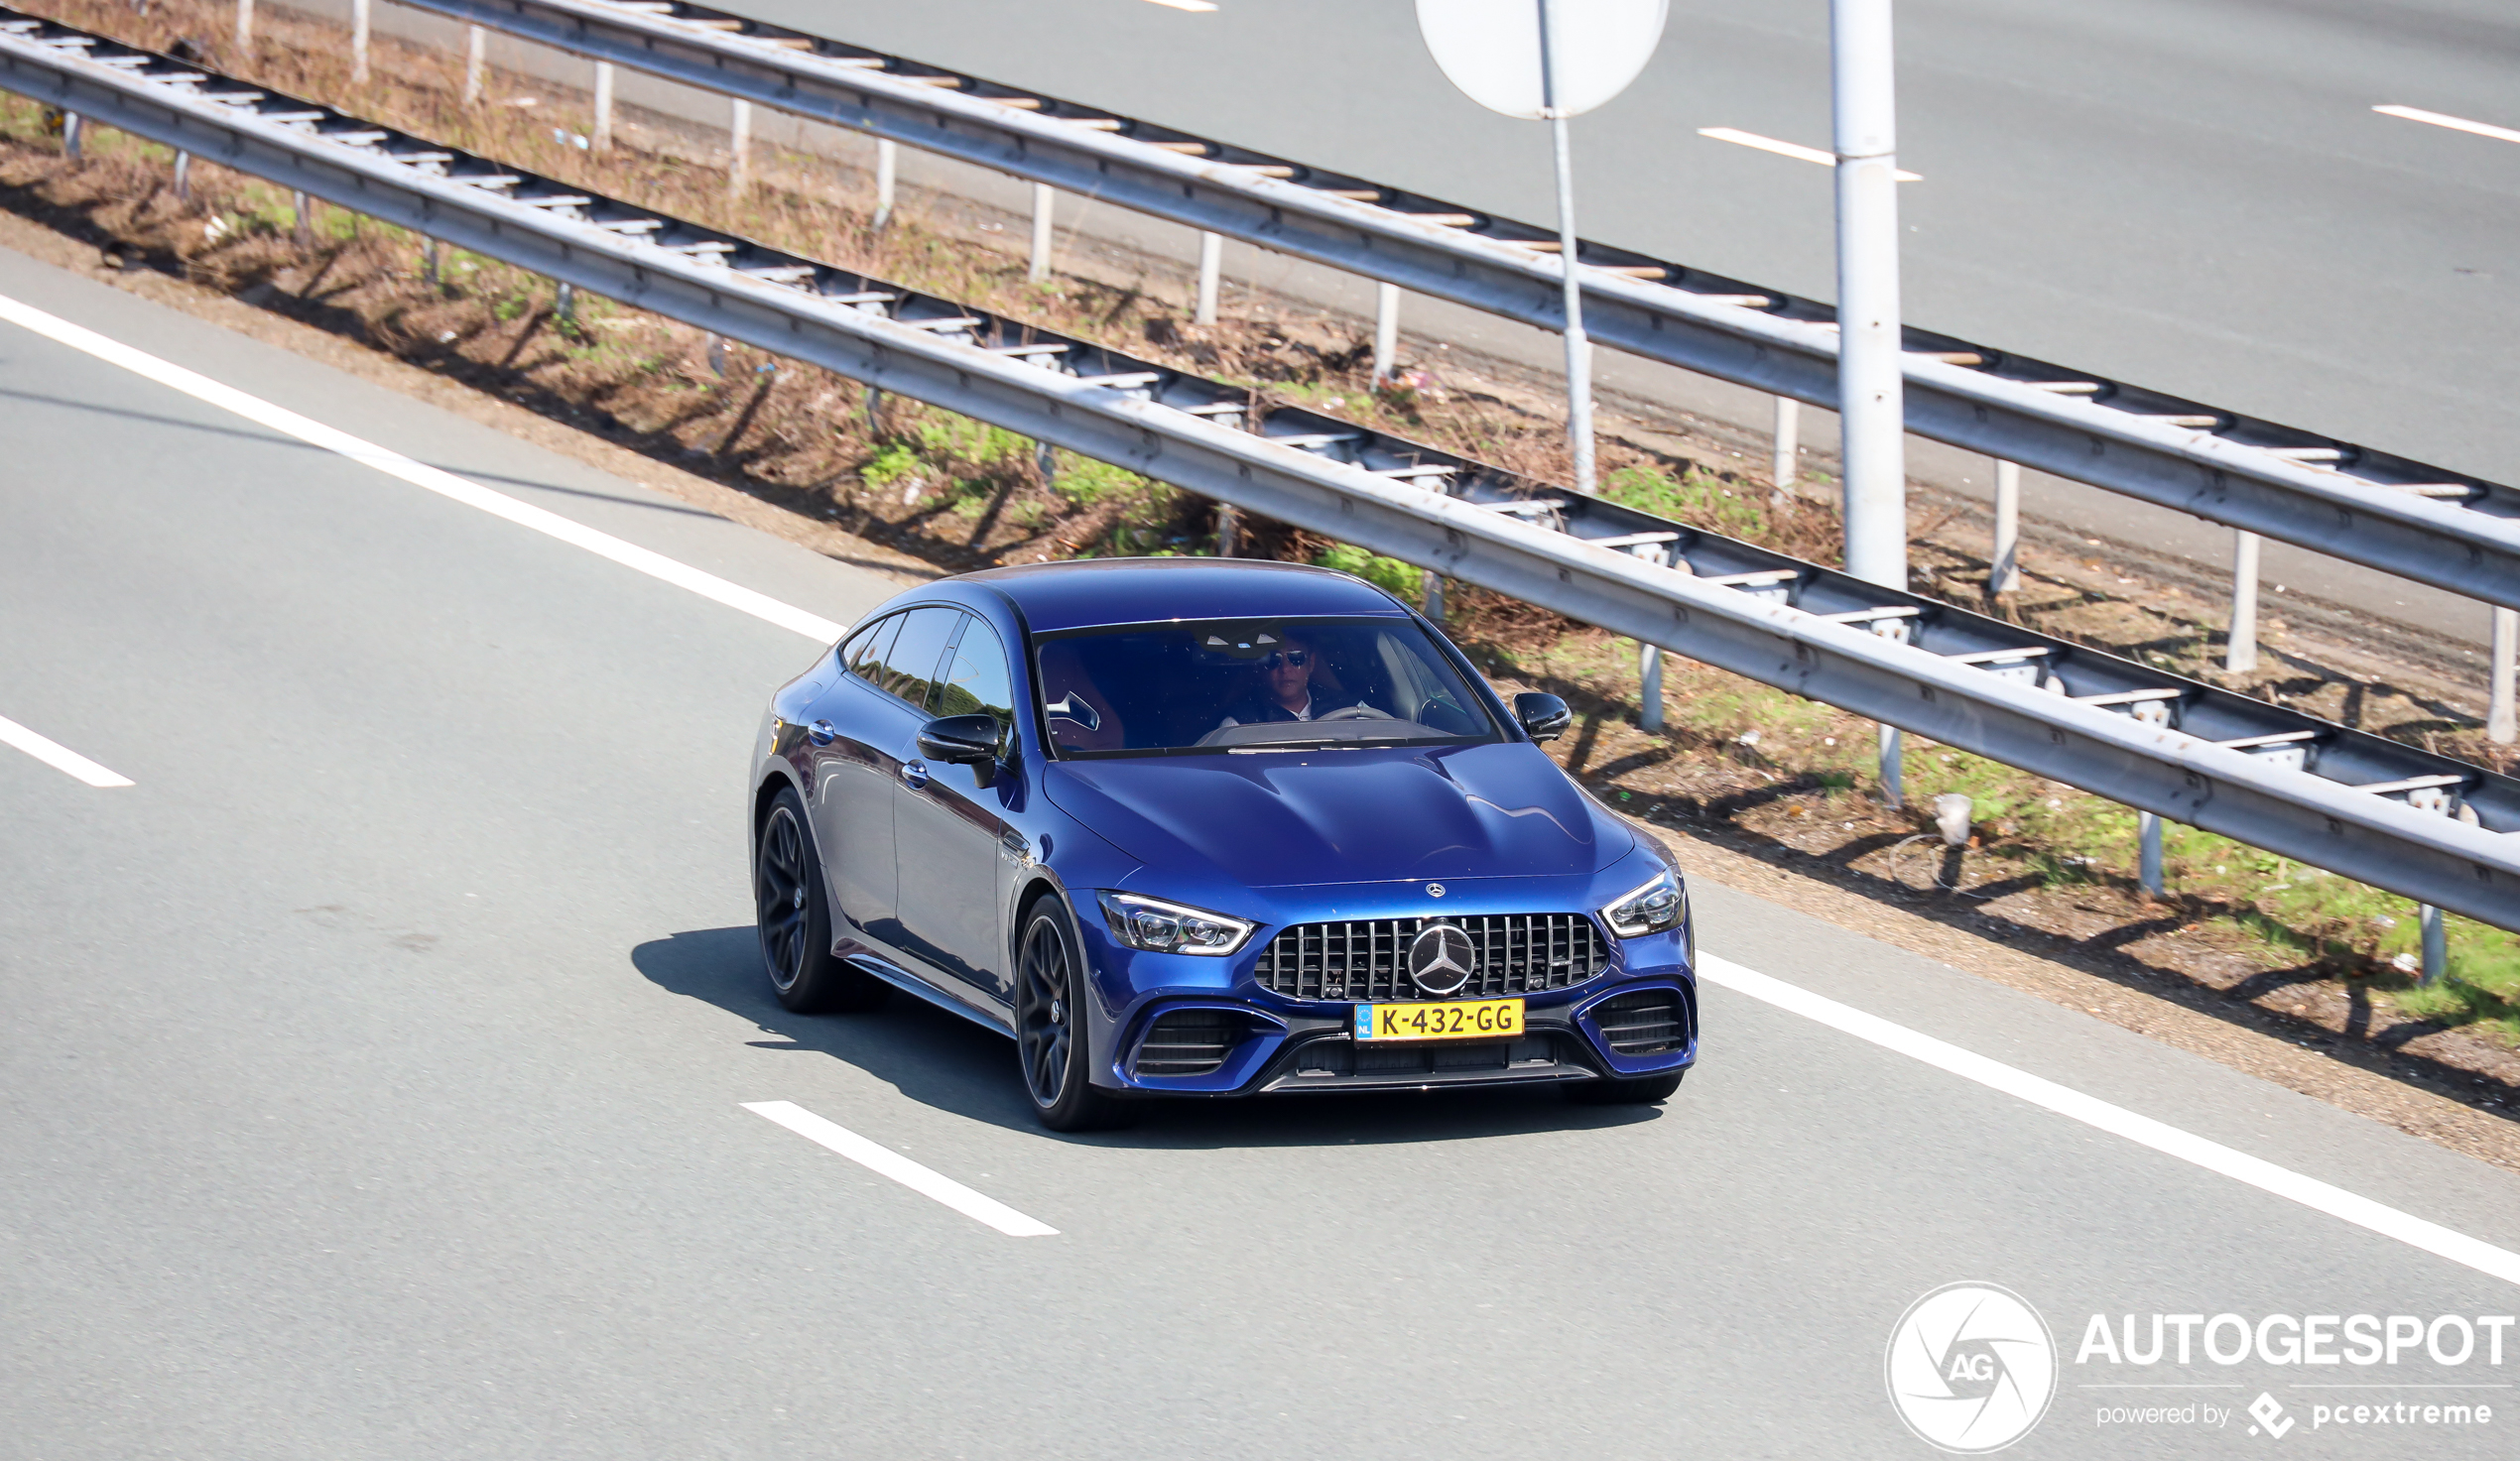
x=1543 y=717
x=963 y=740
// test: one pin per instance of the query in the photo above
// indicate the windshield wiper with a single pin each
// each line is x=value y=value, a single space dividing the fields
x=1340 y=744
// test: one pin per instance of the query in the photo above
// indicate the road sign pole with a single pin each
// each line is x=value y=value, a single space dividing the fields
x=1578 y=349
x=1871 y=408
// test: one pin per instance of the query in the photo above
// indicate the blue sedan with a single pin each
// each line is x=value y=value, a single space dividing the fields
x=1209 y=827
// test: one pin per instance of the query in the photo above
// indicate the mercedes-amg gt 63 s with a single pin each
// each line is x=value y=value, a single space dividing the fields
x=1206 y=827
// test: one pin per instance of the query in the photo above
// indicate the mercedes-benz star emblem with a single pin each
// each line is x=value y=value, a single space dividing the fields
x=1442 y=958
x=1435 y=890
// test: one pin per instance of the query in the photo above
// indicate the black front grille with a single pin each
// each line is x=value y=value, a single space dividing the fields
x=1369 y=959
x=1189 y=1042
x=1376 y=1061
x=1650 y=1022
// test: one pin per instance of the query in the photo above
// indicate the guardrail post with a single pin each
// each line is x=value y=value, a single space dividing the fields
x=2148 y=853
x=739 y=144
x=1211 y=263
x=69 y=134
x=245 y=26
x=1228 y=530
x=601 y=141
x=1785 y=447
x=1649 y=656
x=2436 y=943
x=2240 y=655
x=565 y=305
x=1433 y=609
x=430 y=270
x=2006 y=576
x=2502 y=724
x=1044 y=198
x=887 y=172
x=358 y=41
x=1892 y=769
x=183 y=177
x=1386 y=330
x=476 y=47
x=304 y=208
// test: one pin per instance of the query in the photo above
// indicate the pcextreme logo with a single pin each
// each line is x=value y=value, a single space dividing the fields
x=1972 y=1367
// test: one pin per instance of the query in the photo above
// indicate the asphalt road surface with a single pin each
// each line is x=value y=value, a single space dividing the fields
x=2199 y=196
x=374 y=1073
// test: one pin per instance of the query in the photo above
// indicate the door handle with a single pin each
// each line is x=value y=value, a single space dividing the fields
x=821 y=732
x=914 y=773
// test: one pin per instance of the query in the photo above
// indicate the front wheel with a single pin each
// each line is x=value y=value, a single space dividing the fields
x=1637 y=1090
x=796 y=921
x=1050 y=1031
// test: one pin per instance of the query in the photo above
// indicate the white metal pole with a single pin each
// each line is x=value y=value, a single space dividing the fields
x=1649 y=656
x=1579 y=348
x=1870 y=391
x=602 y=140
x=2148 y=851
x=1893 y=770
x=1211 y=268
x=887 y=177
x=358 y=40
x=2436 y=943
x=70 y=128
x=2239 y=655
x=2006 y=576
x=1434 y=596
x=1043 y=200
x=739 y=145
x=183 y=177
x=245 y=25
x=475 y=43
x=1228 y=530
x=2502 y=725
x=1785 y=447
x=1386 y=330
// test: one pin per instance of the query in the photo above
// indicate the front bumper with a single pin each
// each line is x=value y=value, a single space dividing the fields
x=1234 y=1039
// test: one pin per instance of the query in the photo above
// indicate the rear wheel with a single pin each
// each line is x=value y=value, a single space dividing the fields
x=1050 y=1031
x=1638 y=1090
x=795 y=921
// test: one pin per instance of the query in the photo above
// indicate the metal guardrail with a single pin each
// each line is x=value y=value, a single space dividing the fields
x=2423 y=825
x=2449 y=530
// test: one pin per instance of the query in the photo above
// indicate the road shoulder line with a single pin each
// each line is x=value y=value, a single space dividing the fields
x=885 y=1161
x=2144 y=1130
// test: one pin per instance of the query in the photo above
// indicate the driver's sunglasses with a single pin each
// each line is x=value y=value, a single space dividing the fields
x=1297 y=658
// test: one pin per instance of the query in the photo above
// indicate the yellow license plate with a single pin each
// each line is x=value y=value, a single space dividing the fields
x=1451 y=1019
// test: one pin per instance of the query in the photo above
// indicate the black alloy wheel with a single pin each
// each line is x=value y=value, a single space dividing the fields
x=1050 y=1031
x=1634 y=1090
x=796 y=921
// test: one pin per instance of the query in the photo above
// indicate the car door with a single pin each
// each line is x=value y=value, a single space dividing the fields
x=948 y=823
x=861 y=746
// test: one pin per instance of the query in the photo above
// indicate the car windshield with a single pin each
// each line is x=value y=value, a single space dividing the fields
x=1252 y=686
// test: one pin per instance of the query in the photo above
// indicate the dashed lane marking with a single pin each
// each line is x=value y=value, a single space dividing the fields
x=885 y=1161
x=60 y=757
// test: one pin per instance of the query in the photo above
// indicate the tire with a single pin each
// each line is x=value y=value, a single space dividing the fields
x=1052 y=1050
x=1638 y=1090
x=795 y=919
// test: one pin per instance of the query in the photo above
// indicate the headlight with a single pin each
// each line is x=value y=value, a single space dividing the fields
x=1162 y=927
x=1657 y=905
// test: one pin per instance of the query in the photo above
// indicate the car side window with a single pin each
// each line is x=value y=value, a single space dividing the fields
x=864 y=655
x=910 y=665
x=976 y=680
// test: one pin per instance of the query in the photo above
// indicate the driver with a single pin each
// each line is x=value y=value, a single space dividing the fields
x=1286 y=688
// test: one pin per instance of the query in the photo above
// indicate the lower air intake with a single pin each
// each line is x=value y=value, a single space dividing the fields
x=1650 y=1022
x=1189 y=1042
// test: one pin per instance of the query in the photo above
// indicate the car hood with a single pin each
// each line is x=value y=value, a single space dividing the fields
x=1498 y=811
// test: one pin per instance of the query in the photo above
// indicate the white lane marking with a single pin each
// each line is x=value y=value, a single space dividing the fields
x=2455 y=124
x=885 y=1161
x=2169 y=1140
x=1199 y=6
x=57 y=756
x=1788 y=149
x=395 y=464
